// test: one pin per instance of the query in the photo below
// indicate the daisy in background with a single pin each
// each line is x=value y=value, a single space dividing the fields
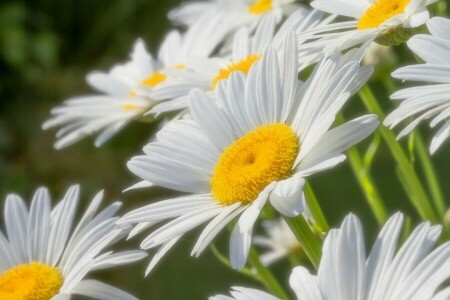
x=388 y=22
x=413 y=272
x=426 y=101
x=247 y=48
x=244 y=293
x=256 y=142
x=279 y=239
x=127 y=89
x=44 y=255
x=237 y=12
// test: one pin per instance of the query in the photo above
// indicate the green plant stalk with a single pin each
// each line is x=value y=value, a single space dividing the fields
x=310 y=243
x=430 y=175
x=267 y=277
x=224 y=260
x=314 y=208
x=426 y=163
x=418 y=197
x=367 y=185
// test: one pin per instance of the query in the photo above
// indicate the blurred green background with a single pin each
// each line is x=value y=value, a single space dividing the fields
x=46 y=49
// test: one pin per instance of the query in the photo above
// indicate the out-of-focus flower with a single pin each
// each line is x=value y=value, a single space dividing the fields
x=44 y=256
x=279 y=240
x=205 y=73
x=414 y=272
x=128 y=90
x=237 y=12
x=426 y=101
x=244 y=293
x=386 y=21
x=257 y=141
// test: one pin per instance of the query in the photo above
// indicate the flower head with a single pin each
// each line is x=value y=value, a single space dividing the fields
x=412 y=272
x=388 y=22
x=43 y=255
x=426 y=101
x=129 y=90
x=256 y=142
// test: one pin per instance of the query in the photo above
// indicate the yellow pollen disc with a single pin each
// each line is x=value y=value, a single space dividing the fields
x=154 y=79
x=180 y=67
x=30 y=282
x=243 y=65
x=129 y=107
x=381 y=11
x=260 y=7
x=247 y=166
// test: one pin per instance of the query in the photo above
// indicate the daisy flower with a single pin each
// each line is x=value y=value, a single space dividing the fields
x=205 y=73
x=414 y=272
x=256 y=142
x=279 y=239
x=386 y=21
x=426 y=101
x=127 y=89
x=244 y=293
x=43 y=255
x=237 y=12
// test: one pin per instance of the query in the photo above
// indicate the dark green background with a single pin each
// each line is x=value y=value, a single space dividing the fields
x=47 y=47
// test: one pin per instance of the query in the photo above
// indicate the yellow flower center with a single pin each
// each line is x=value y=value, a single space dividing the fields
x=30 y=282
x=260 y=7
x=247 y=166
x=243 y=65
x=381 y=11
x=129 y=107
x=154 y=79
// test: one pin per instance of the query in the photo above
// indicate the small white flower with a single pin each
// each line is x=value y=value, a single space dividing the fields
x=426 y=101
x=44 y=256
x=413 y=272
x=279 y=239
x=244 y=293
x=257 y=141
x=387 y=21
x=128 y=90
x=205 y=73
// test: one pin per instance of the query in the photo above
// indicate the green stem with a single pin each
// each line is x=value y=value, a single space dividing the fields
x=311 y=244
x=430 y=175
x=316 y=211
x=367 y=185
x=267 y=277
x=418 y=197
x=225 y=261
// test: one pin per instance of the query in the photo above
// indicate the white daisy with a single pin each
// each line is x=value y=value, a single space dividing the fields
x=244 y=293
x=127 y=90
x=205 y=73
x=279 y=240
x=44 y=256
x=237 y=12
x=426 y=101
x=258 y=141
x=386 y=21
x=414 y=272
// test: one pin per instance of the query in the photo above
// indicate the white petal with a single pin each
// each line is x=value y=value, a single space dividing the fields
x=287 y=196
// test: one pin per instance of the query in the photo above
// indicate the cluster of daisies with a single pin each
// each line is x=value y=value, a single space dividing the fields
x=241 y=134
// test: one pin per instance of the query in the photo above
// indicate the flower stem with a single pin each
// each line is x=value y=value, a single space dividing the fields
x=430 y=174
x=266 y=276
x=367 y=185
x=310 y=243
x=316 y=211
x=417 y=194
